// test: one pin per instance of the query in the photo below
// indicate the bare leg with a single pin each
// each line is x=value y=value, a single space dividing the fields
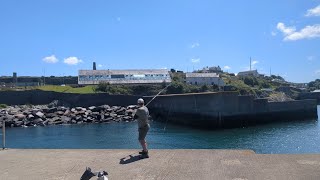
x=144 y=145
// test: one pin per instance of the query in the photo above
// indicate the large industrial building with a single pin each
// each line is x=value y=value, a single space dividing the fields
x=141 y=76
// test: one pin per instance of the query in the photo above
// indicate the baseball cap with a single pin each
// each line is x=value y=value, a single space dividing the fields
x=140 y=101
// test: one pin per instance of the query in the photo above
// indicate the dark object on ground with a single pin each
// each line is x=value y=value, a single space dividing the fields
x=88 y=174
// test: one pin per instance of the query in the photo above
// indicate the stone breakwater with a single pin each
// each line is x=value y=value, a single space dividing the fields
x=43 y=115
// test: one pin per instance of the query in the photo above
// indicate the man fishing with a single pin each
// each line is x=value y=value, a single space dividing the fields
x=142 y=115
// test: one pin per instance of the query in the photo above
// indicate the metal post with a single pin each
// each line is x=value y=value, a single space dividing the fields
x=3 y=134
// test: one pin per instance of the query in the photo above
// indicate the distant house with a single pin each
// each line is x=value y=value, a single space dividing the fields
x=132 y=76
x=248 y=73
x=213 y=69
x=204 y=78
x=299 y=85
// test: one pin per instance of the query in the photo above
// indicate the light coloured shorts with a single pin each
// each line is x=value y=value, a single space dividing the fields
x=143 y=132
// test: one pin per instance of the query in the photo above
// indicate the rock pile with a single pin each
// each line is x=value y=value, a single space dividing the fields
x=24 y=116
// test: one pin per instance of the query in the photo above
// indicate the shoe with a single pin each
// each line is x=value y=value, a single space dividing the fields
x=143 y=156
x=143 y=152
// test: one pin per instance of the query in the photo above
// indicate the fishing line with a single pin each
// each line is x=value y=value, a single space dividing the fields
x=158 y=94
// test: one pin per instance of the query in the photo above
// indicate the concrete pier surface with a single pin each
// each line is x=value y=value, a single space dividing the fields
x=58 y=164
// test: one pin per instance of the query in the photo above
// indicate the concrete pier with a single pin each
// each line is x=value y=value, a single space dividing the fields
x=228 y=110
x=163 y=164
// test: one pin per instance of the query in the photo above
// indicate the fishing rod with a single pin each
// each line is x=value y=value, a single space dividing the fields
x=158 y=94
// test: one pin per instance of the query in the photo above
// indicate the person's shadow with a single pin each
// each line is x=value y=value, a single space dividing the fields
x=130 y=159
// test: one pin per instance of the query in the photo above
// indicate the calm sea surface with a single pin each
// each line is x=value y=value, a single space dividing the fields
x=288 y=137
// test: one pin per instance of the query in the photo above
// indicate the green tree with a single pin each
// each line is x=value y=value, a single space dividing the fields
x=204 y=88
x=176 y=88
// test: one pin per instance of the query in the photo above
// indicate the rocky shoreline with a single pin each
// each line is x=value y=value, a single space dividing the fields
x=52 y=114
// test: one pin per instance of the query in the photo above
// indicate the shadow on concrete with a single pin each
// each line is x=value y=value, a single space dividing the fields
x=130 y=159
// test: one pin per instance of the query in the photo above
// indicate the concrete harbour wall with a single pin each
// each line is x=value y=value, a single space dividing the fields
x=45 y=97
x=208 y=110
x=227 y=109
x=310 y=95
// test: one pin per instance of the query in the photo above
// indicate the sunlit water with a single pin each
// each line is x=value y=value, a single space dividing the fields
x=288 y=137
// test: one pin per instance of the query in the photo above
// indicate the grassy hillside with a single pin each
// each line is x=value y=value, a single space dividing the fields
x=68 y=89
x=258 y=86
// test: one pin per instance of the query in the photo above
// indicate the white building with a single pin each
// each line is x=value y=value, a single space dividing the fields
x=213 y=69
x=204 y=78
x=249 y=73
x=132 y=76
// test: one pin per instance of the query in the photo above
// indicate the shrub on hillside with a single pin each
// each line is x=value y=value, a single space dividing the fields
x=176 y=88
x=3 y=106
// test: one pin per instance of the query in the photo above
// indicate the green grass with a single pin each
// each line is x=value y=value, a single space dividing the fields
x=68 y=89
x=3 y=106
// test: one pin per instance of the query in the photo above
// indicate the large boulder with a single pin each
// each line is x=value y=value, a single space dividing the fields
x=113 y=115
x=66 y=120
x=67 y=112
x=54 y=103
x=39 y=114
x=20 y=116
x=132 y=107
x=58 y=122
x=104 y=107
x=79 y=118
x=78 y=108
x=8 y=117
x=18 y=123
x=121 y=111
x=92 y=108
x=62 y=108
x=51 y=115
x=13 y=112
x=56 y=119
x=129 y=112
x=60 y=113
x=38 y=121
x=108 y=119
x=50 y=110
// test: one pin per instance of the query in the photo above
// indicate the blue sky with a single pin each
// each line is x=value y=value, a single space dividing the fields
x=59 y=37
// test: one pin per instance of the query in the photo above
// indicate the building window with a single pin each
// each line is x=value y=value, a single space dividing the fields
x=116 y=76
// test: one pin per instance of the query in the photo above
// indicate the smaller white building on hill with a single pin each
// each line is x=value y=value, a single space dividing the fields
x=204 y=78
x=249 y=73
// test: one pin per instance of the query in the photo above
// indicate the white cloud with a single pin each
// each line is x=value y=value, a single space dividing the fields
x=194 y=45
x=100 y=65
x=313 y=12
x=254 y=63
x=308 y=32
x=226 y=67
x=72 y=61
x=253 y=66
x=50 y=59
x=285 y=30
x=195 y=60
x=273 y=33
